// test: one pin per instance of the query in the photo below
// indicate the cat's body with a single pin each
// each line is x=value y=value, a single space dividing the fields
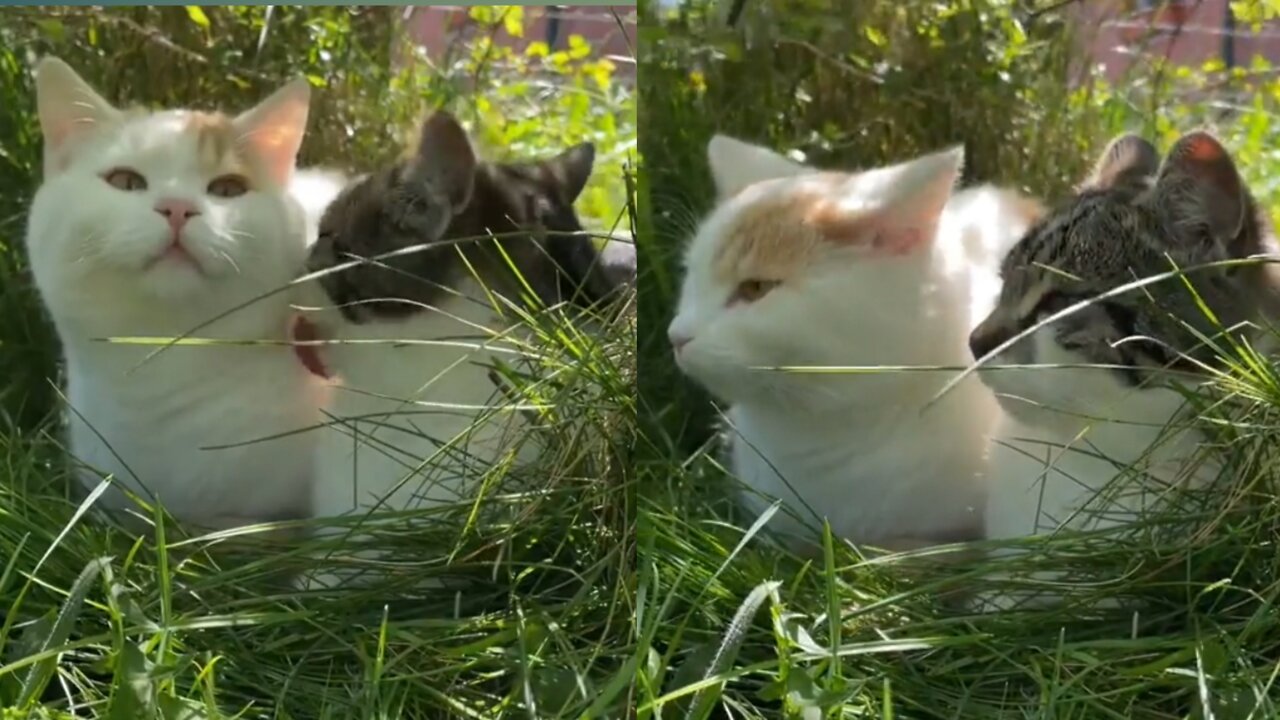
x=150 y=225
x=434 y=418
x=166 y=431
x=1043 y=478
x=874 y=485
x=800 y=268
x=408 y=411
x=1068 y=433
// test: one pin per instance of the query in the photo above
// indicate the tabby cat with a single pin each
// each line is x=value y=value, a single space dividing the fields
x=417 y=423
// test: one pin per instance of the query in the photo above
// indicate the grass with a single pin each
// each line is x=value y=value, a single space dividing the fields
x=732 y=624
x=530 y=621
x=519 y=604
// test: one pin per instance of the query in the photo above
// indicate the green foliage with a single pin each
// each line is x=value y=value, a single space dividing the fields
x=508 y=102
x=1255 y=12
x=28 y=347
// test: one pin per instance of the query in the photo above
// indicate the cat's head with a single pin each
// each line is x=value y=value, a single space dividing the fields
x=797 y=266
x=441 y=194
x=169 y=210
x=1134 y=217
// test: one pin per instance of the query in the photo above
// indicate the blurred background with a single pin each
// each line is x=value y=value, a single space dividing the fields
x=527 y=81
x=1032 y=89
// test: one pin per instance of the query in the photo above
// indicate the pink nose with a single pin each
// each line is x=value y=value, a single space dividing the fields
x=177 y=212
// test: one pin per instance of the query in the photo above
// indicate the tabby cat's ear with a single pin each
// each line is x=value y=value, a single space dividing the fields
x=1198 y=188
x=272 y=130
x=1127 y=159
x=736 y=165
x=573 y=168
x=445 y=159
x=67 y=108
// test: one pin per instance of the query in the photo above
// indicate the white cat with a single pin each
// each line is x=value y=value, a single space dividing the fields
x=149 y=224
x=798 y=267
x=1091 y=448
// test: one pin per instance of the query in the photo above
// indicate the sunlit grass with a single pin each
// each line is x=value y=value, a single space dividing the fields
x=515 y=603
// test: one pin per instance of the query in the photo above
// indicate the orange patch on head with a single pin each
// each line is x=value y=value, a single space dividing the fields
x=779 y=235
x=839 y=225
x=217 y=146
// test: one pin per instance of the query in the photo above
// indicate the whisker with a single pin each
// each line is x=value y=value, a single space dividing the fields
x=227 y=256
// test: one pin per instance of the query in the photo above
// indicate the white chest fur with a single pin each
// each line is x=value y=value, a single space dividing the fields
x=898 y=477
x=1046 y=478
x=1085 y=475
x=149 y=428
x=416 y=423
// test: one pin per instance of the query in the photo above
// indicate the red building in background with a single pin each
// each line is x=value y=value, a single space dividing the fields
x=1187 y=32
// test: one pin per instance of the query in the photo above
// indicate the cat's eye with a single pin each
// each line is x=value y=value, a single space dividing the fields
x=228 y=186
x=1051 y=301
x=749 y=291
x=125 y=179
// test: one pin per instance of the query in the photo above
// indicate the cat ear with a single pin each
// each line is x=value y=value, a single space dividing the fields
x=573 y=168
x=67 y=107
x=445 y=159
x=736 y=164
x=273 y=129
x=1127 y=159
x=910 y=198
x=1199 y=189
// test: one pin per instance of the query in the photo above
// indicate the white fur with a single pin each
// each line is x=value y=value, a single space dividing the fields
x=438 y=382
x=856 y=449
x=411 y=425
x=414 y=425
x=90 y=245
x=979 y=226
x=314 y=189
x=1064 y=436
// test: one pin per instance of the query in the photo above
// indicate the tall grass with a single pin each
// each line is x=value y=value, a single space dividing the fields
x=517 y=605
x=733 y=625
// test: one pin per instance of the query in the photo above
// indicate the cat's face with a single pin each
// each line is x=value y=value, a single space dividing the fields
x=409 y=204
x=167 y=208
x=433 y=198
x=1134 y=218
x=800 y=267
